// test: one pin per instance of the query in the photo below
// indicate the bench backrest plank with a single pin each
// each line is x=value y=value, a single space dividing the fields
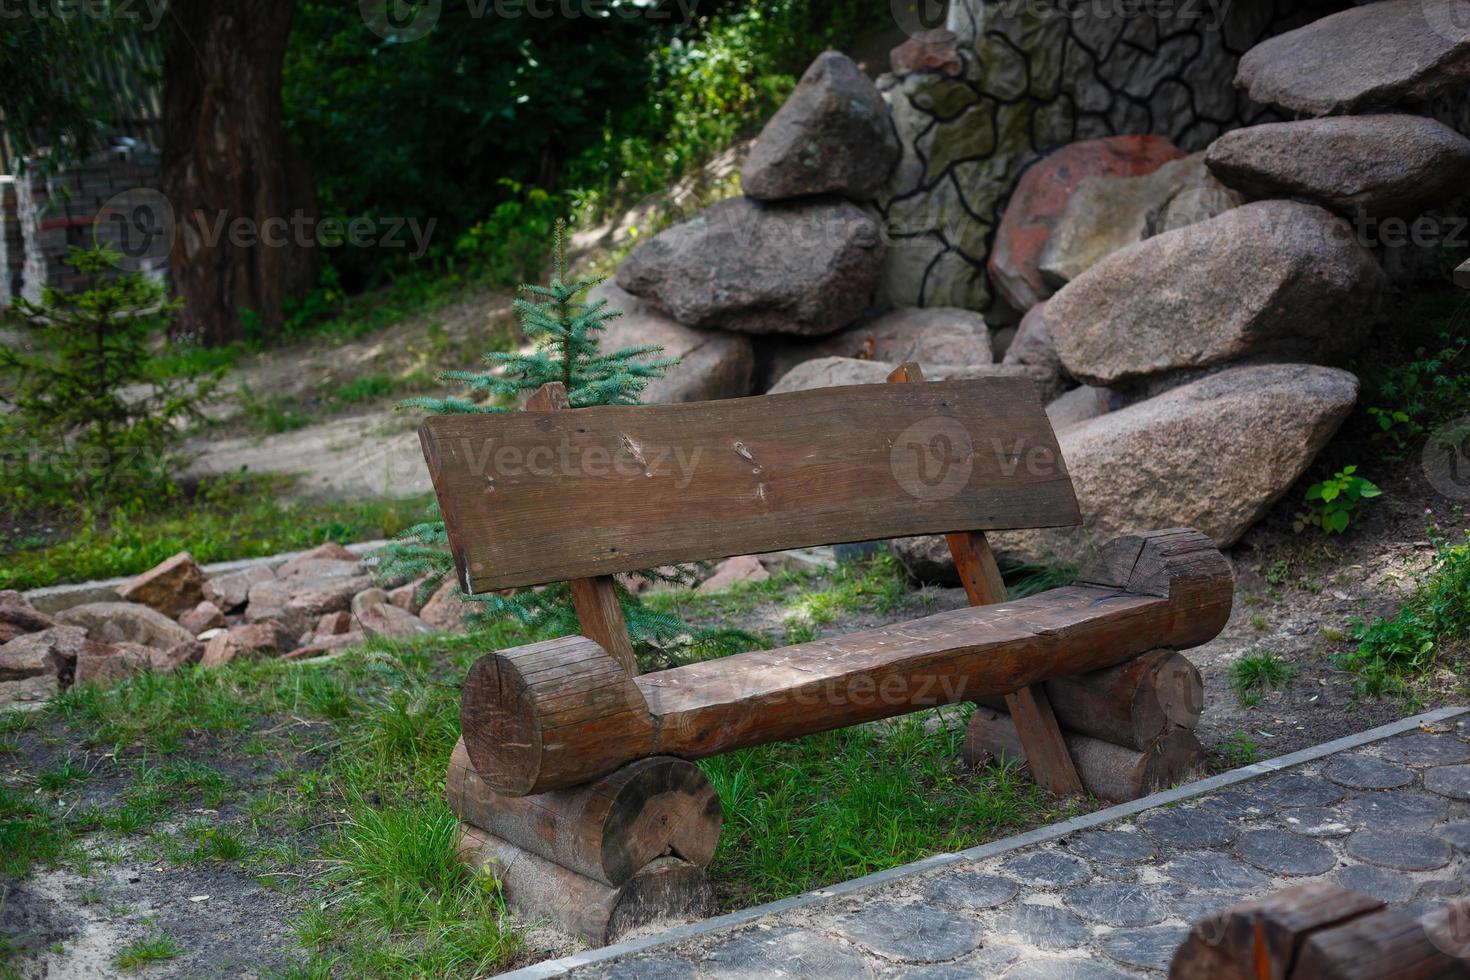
x=543 y=496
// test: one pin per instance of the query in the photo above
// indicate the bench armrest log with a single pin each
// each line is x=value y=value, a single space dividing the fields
x=608 y=829
x=559 y=713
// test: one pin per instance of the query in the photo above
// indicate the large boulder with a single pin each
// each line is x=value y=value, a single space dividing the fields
x=833 y=136
x=1373 y=56
x=35 y=666
x=125 y=622
x=386 y=619
x=1212 y=455
x=18 y=616
x=1041 y=195
x=173 y=586
x=831 y=372
x=937 y=335
x=1379 y=166
x=802 y=267
x=712 y=363
x=1106 y=214
x=1274 y=278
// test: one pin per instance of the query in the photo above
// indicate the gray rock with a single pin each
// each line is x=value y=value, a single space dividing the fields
x=1425 y=749
x=712 y=363
x=1187 y=827
x=832 y=136
x=1079 y=405
x=1150 y=949
x=932 y=337
x=1043 y=925
x=1451 y=781
x=1366 y=772
x=1113 y=845
x=126 y=622
x=1373 y=56
x=1377 y=166
x=926 y=559
x=806 y=267
x=231 y=590
x=831 y=372
x=1399 y=850
x=1032 y=345
x=1276 y=278
x=1384 y=885
x=913 y=932
x=18 y=616
x=1212 y=455
x=1117 y=904
x=1284 y=853
x=1106 y=214
x=173 y=586
x=970 y=890
x=1047 y=869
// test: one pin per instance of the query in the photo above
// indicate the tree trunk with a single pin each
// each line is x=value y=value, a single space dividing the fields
x=242 y=203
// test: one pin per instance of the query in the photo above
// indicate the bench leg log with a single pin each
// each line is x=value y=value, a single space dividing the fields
x=537 y=889
x=607 y=830
x=1132 y=704
x=1111 y=772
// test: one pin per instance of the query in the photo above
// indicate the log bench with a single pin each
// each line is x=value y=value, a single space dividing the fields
x=574 y=779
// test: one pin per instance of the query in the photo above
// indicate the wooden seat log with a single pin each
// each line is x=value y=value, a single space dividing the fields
x=1322 y=931
x=1116 y=773
x=559 y=713
x=666 y=888
x=607 y=829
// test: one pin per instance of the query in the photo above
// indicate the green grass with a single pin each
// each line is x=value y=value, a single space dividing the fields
x=1256 y=673
x=224 y=519
x=1432 y=628
x=145 y=951
x=1237 y=750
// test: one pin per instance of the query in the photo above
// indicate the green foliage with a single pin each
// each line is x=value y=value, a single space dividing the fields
x=1256 y=673
x=1238 y=750
x=89 y=418
x=1433 y=624
x=1330 y=505
x=154 y=949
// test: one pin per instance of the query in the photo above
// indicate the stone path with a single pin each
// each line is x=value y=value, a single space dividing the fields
x=1111 y=894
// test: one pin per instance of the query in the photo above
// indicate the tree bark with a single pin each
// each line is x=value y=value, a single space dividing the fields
x=242 y=201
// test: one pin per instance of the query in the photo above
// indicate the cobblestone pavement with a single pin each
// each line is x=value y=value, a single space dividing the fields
x=1112 y=894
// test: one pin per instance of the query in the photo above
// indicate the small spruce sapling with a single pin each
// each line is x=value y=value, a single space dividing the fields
x=84 y=390
x=566 y=332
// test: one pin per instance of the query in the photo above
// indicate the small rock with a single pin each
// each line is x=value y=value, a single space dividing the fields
x=334 y=624
x=934 y=336
x=742 y=568
x=803 y=267
x=1041 y=195
x=932 y=50
x=1378 y=166
x=166 y=661
x=366 y=599
x=251 y=641
x=125 y=622
x=173 y=586
x=1032 y=347
x=205 y=616
x=18 y=616
x=231 y=590
x=1372 y=56
x=106 y=664
x=833 y=135
x=1275 y=278
x=405 y=596
x=388 y=620
x=305 y=562
x=1079 y=405
x=320 y=645
x=446 y=611
x=711 y=363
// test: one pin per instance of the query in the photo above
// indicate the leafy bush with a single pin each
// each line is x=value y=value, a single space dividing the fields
x=1435 y=621
x=91 y=418
x=1331 y=503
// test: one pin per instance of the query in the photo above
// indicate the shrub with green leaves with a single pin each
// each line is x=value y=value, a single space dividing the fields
x=90 y=418
x=1331 y=504
x=1433 y=624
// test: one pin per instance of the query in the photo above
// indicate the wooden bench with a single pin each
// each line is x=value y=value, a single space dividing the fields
x=573 y=777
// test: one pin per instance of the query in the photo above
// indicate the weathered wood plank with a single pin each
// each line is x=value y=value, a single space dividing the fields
x=554 y=739
x=608 y=829
x=658 y=484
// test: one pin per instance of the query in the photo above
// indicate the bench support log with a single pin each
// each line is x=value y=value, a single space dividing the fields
x=668 y=888
x=560 y=713
x=608 y=829
x=1110 y=772
x=1129 y=705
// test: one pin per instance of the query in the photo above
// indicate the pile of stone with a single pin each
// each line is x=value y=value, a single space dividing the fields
x=176 y=614
x=773 y=290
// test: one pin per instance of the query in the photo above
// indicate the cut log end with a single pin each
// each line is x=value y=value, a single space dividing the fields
x=1177 y=563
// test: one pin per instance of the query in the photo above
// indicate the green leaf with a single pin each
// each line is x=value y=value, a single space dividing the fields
x=1336 y=522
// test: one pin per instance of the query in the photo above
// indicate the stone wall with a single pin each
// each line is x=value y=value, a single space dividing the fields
x=1031 y=76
